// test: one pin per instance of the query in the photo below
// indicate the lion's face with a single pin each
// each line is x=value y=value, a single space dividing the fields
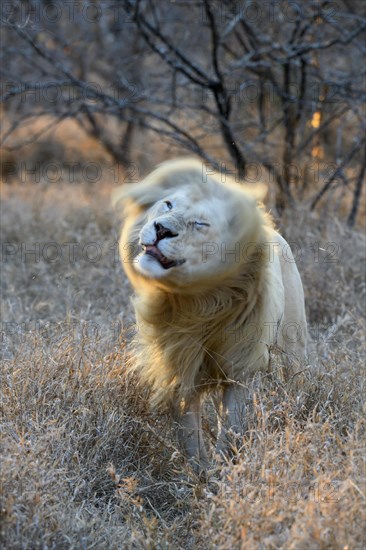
x=185 y=231
x=175 y=237
x=187 y=238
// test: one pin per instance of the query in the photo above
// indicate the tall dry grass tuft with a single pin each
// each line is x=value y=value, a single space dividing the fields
x=84 y=461
x=86 y=464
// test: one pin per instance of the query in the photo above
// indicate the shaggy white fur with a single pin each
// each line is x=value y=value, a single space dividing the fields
x=216 y=286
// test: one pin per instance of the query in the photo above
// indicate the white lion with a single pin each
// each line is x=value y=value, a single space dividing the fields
x=216 y=286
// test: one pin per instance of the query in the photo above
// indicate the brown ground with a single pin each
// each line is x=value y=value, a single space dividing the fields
x=86 y=465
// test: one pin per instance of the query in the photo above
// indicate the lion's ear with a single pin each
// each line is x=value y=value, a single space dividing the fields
x=137 y=194
x=166 y=178
x=257 y=190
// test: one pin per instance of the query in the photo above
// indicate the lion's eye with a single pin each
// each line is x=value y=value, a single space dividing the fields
x=201 y=224
x=169 y=204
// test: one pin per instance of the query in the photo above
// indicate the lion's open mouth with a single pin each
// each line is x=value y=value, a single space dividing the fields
x=152 y=250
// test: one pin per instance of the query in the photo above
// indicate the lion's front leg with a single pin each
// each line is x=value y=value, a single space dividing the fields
x=187 y=416
x=235 y=404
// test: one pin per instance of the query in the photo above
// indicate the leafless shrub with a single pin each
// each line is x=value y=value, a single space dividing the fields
x=277 y=84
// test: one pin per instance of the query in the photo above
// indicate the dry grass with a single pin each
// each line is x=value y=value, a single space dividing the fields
x=87 y=465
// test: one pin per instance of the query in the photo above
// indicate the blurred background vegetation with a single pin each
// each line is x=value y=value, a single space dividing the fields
x=270 y=91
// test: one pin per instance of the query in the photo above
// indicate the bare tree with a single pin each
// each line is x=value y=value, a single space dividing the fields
x=238 y=83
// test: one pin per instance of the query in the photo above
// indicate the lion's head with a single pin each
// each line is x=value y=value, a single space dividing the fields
x=185 y=227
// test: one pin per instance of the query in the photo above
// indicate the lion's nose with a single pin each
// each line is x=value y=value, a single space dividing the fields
x=163 y=232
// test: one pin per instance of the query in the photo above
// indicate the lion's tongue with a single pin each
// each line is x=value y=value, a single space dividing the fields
x=152 y=250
